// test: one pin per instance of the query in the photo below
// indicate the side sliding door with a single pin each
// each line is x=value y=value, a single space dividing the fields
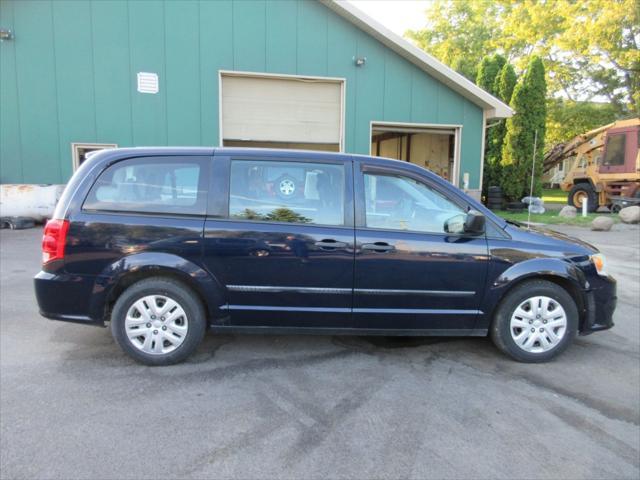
x=282 y=242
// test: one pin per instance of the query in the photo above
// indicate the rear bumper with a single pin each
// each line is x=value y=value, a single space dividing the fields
x=65 y=297
x=600 y=305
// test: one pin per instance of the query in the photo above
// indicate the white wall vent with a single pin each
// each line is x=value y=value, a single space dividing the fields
x=147 y=82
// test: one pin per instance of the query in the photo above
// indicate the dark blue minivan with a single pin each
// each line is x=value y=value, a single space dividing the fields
x=165 y=243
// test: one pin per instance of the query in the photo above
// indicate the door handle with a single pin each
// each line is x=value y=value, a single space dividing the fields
x=378 y=247
x=330 y=244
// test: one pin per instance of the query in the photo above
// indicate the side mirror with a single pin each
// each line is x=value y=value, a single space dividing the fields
x=474 y=223
x=455 y=224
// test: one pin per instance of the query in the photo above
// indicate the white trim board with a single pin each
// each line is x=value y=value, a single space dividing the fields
x=493 y=107
x=483 y=147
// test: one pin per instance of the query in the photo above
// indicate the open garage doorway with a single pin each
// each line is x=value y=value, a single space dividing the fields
x=281 y=111
x=435 y=147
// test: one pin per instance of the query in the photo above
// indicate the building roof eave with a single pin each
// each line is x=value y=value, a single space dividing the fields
x=492 y=106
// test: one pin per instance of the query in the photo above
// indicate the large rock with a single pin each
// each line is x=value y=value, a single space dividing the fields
x=568 y=211
x=602 y=224
x=630 y=214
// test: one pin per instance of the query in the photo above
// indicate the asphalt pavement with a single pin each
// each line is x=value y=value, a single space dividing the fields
x=73 y=406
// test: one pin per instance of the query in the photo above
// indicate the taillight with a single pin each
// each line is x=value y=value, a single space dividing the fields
x=54 y=240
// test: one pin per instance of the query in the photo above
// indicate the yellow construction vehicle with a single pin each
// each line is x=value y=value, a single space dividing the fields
x=606 y=166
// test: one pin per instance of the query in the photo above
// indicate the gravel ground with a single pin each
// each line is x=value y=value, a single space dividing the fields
x=73 y=406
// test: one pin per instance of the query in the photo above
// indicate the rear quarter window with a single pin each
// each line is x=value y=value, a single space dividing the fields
x=163 y=185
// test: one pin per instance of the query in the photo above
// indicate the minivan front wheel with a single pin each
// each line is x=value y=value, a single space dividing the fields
x=158 y=321
x=535 y=322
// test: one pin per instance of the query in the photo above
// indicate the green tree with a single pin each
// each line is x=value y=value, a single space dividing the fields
x=249 y=214
x=458 y=33
x=488 y=71
x=284 y=214
x=281 y=214
x=529 y=103
x=567 y=118
x=505 y=83
x=488 y=74
x=590 y=49
x=503 y=86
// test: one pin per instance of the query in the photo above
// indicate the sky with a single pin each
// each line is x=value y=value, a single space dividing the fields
x=397 y=15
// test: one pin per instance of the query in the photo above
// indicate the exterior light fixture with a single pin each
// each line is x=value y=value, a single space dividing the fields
x=359 y=61
x=5 y=34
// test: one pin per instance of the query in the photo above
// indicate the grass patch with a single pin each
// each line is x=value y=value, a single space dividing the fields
x=554 y=195
x=551 y=217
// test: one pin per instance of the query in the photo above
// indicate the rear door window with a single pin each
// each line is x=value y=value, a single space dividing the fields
x=170 y=185
x=293 y=192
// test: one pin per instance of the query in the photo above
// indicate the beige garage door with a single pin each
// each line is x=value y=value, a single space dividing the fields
x=289 y=111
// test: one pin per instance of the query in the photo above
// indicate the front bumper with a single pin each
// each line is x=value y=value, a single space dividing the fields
x=600 y=304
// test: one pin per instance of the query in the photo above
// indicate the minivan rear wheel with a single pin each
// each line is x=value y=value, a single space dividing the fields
x=158 y=321
x=535 y=321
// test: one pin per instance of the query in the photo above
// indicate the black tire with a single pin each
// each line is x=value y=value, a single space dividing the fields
x=516 y=206
x=175 y=290
x=583 y=190
x=500 y=330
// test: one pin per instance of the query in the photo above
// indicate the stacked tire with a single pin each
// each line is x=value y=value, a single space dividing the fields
x=494 y=198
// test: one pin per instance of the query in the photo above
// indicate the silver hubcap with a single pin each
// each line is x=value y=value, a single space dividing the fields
x=287 y=187
x=538 y=324
x=156 y=324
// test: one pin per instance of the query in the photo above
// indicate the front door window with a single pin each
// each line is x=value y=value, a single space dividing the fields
x=401 y=203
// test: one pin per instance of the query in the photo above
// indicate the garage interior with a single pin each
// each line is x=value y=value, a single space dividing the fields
x=281 y=112
x=432 y=148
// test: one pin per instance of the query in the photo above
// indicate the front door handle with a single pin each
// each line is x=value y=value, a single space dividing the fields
x=330 y=244
x=379 y=247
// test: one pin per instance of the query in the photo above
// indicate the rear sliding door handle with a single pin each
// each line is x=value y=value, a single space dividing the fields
x=330 y=244
x=379 y=247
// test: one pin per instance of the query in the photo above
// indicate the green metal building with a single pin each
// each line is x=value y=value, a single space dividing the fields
x=81 y=75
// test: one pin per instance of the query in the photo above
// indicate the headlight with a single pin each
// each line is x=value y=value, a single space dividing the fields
x=600 y=263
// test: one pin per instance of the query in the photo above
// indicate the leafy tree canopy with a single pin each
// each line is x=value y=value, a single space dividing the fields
x=488 y=71
x=505 y=82
x=281 y=214
x=567 y=119
x=590 y=49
